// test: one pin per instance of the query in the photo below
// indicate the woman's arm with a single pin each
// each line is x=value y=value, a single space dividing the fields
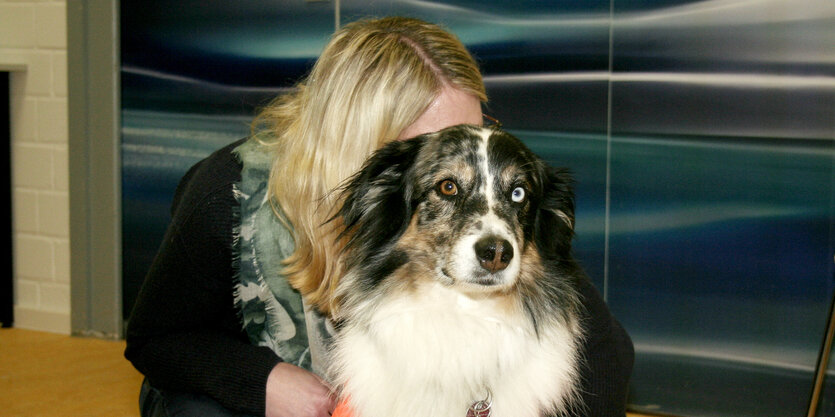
x=608 y=358
x=184 y=332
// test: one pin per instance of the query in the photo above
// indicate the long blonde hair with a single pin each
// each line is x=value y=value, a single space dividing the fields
x=374 y=78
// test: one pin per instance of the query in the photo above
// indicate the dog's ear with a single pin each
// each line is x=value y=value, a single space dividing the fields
x=554 y=226
x=377 y=200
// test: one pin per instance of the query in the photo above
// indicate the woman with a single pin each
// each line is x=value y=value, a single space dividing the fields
x=247 y=247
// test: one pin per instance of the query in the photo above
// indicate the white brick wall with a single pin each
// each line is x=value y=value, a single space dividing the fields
x=34 y=34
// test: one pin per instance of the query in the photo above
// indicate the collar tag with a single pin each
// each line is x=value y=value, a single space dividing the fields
x=481 y=408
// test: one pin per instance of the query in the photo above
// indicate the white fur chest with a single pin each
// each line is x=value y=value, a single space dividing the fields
x=435 y=352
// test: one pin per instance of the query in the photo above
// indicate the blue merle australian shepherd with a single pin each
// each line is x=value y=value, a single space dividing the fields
x=460 y=293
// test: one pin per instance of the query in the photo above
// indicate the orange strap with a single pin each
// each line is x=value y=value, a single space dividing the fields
x=342 y=410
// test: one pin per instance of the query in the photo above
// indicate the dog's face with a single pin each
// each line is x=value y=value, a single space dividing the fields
x=468 y=207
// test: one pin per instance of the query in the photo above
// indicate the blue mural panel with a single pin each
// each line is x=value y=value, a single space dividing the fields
x=193 y=74
x=721 y=190
x=157 y=149
x=230 y=43
x=720 y=266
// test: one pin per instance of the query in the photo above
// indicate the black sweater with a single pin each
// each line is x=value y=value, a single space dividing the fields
x=184 y=333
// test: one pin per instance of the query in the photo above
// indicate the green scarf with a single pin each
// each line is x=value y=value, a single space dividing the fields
x=273 y=313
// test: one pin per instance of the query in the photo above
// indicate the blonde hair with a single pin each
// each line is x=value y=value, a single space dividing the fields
x=374 y=78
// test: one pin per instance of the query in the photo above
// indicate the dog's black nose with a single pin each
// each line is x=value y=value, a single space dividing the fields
x=494 y=253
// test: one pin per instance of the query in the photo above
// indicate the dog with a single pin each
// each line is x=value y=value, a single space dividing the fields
x=459 y=297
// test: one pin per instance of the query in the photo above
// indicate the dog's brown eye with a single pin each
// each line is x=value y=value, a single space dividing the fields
x=448 y=187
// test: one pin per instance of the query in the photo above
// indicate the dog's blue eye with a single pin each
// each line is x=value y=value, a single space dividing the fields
x=518 y=195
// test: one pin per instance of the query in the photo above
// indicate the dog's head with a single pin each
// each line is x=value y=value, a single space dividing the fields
x=464 y=206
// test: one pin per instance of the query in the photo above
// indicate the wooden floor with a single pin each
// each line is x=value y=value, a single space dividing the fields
x=44 y=374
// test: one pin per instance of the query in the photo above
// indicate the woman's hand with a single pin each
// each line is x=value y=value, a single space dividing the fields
x=295 y=392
